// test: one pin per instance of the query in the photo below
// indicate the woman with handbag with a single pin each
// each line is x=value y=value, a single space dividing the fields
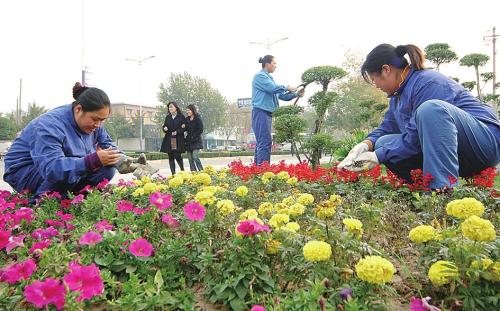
x=173 y=142
x=194 y=143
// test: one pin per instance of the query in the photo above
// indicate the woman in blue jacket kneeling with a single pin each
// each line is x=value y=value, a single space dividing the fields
x=432 y=124
x=64 y=149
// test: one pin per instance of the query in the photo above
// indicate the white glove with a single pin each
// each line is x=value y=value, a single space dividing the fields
x=353 y=154
x=364 y=162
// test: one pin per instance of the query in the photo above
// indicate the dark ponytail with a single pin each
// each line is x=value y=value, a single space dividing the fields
x=90 y=98
x=386 y=54
x=266 y=60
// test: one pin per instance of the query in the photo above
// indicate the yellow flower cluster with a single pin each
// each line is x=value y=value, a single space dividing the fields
x=422 y=234
x=267 y=176
x=175 y=182
x=283 y=175
x=279 y=220
x=465 y=208
x=266 y=209
x=272 y=246
x=241 y=191
x=325 y=209
x=478 y=229
x=315 y=251
x=375 y=270
x=213 y=189
x=288 y=201
x=210 y=170
x=249 y=214
x=202 y=179
x=292 y=181
x=222 y=175
x=492 y=268
x=225 y=207
x=282 y=208
x=441 y=272
x=292 y=227
x=297 y=209
x=138 y=192
x=186 y=176
x=149 y=187
x=335 y=199
x=354 y=226
x=305 y=199
x=205 y=198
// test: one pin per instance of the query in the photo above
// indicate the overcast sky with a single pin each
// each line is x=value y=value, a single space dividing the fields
x=41 y=41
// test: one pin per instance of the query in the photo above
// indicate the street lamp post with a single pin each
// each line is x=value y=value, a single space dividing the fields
x=268 y=43
x=139 y=62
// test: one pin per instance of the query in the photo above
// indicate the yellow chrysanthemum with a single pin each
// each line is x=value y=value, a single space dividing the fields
x=249 y=214
x=422 y=234
x=465 y=208
x=241 y=191
x=212 y=189
x=315 y=251
x=161 y=187
x=205 y=198
x=225 y=207
x=175 y=182
x=202 y=179
x=272 y=246
x=266 y=209
x=145 y=179
x=335 y=199
x=297 y=209
x=149 y=187
x=478 y=229
x=325 y=209
x=288 y=201
x=138 y=192
x=375 y=270
x=283 y=175
x=441 y=272
x=267 y=176
x=222 y=175
x=305 y=199
x=137 y=182
x=291 y=227
x=280 y=206
x=354 y=226
x=210 y=170
x=292 y=181
x=279 y=220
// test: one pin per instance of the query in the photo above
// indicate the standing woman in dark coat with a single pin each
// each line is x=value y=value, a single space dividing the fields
x=194 y=144
x=173 y=142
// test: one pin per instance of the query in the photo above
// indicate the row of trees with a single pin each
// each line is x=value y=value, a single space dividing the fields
x=9 y=126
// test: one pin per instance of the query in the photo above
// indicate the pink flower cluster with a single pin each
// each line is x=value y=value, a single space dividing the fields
x=84 y=279
x=251 y=227
x=42 y=294
x=90 y=238
x=161 y=201
x=194 y=211
x=103 y=225
x=170 y=221
x=141 y=248
x=15 y=272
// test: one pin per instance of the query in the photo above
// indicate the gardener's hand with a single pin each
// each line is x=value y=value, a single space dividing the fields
x=291 y=89
x=108 y=156
x=353 y=154
x=364 y=162
x=301 y=92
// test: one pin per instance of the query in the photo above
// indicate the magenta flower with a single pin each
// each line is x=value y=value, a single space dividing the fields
x=54 y=223
x=170 y=221
x=258 y=308
x=125 y=206
x=23 y=213
x=90 y=238
x=251 y=227
x=47 y=233
x=14 y=241
x=70 y=227
x=141 y=248
x=141 y=211
x=40 y=246
x=65 y=217
x=42 y=294
x=4 y=238
x=161 y=201
x=194 y=211
x=78 y=199
x=422 y=304
x=102 y=184
x=84 y=279
x=52 y=195
x=13 y=273
x=103 y=225
x=87 y=188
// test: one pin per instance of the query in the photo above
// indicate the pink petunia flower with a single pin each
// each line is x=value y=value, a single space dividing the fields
x=125 y=206
x=251 y=227
x=141 y=211
x=90 y=238
x=141 y=248
x=4 y=238
x=40 y=246
x=14 y=241
x=102 y=184
x=66 y=203
x=87 y=188
x=65 y=217
x=21 y=214
x=258 y=308
x=194 y=211
x=78 y=199
x=84 y=279
x=422 y=304
x=54 y=223
x=42 y=294
x=170 y=221
x=161 y=201
x=103 y=225
x=13 y=273
x=47 y=233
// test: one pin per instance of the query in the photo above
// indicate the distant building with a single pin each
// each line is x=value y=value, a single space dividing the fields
x=131 y=111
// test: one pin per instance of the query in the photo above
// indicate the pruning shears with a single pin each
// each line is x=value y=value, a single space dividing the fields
x=303 y=86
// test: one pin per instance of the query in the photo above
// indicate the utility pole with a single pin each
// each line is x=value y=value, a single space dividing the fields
x=19 y=109
x=493 y=39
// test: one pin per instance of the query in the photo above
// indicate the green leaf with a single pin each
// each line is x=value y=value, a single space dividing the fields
x=158 y=279
x=131 y=269
x=241 y=291
x=102 y=261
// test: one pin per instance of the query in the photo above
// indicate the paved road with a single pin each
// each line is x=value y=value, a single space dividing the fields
x=164 y=170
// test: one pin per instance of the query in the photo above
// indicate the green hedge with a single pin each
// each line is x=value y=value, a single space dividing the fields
x=217 y=154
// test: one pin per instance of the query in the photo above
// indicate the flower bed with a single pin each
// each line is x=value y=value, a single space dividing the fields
x=278 y=237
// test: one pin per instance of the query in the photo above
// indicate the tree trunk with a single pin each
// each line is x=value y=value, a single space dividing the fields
x=296 y=150
x=477 y=81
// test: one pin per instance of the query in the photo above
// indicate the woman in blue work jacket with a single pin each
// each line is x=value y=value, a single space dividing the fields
x=432 y=123
x=265 y=94
x=64 y=149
